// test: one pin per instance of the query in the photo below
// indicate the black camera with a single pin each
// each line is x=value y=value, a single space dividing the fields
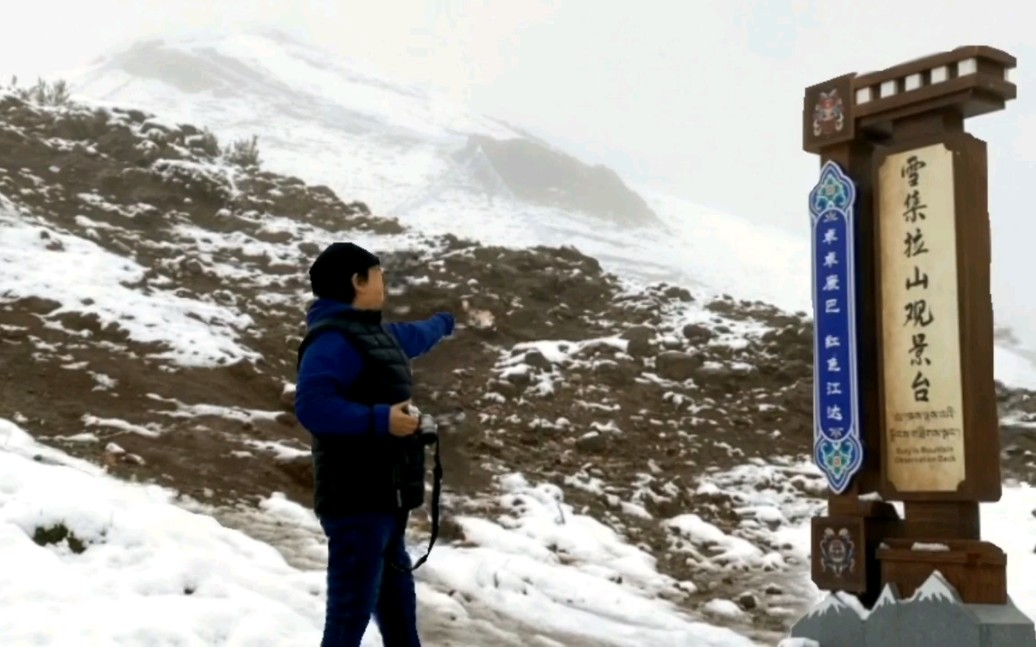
x=427 y=429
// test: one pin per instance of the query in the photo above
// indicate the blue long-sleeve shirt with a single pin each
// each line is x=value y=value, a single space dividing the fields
x=331 y=364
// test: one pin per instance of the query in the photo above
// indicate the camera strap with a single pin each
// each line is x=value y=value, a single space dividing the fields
x=436 y=494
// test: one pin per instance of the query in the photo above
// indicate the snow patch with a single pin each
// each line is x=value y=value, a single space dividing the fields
x=148 y=431
x=929 y=547
x=726 y=609
x=146 y=572
x=36 y=260
x=279 y=449
x=569 y=572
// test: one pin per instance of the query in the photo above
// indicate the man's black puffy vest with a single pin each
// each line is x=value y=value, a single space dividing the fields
x=371 y=472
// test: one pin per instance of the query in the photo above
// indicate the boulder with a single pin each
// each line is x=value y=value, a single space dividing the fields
x=676 y=365
x=697 y=334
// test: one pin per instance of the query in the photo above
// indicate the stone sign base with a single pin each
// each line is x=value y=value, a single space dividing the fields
x=976 y=569
x=933 y=615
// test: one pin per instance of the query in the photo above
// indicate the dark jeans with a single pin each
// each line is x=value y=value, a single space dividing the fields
x=360 y=582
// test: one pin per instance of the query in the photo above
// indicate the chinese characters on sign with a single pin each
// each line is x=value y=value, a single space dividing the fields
x=837 y=448
x=924 y=441
x=918 y=316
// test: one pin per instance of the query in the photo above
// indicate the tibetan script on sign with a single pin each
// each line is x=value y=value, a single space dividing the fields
x=924 y=430
x=837 y=448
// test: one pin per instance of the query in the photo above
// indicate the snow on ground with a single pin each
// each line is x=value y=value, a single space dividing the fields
x=769 y=546
x=151 y=573
x=39 y=261
x=1011 y=524
x=565 y=354
x=560 y=354
x=237 y=414
x=721 y=608
x=735 y=255
x=280 y=450
x=233 y=245
x=150 y=430
x=569 y=572
x=155 y=573
x=776 y=502
x=557 y=574
x=540 y=559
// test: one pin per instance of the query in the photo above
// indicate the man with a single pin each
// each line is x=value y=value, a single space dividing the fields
x=353 y=396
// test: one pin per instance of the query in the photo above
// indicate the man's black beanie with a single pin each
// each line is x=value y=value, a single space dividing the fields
x=331 y=274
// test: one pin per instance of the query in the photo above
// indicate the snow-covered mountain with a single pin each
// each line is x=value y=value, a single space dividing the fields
x=436 y=166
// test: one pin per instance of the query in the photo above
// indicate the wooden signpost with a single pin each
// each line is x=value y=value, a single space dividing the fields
x=910 y=414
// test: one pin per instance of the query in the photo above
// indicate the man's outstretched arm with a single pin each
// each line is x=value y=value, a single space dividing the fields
x=419 y=337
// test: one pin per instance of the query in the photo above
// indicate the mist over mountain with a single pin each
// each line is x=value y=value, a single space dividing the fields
x=293 y=92
x=434 y=164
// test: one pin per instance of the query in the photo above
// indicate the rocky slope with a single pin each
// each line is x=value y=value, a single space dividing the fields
x=154 y=295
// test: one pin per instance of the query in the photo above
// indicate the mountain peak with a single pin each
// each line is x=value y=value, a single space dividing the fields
x=393 y=142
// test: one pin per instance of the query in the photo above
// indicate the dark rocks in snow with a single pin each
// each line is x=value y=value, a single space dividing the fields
x=678 y=366
x=288 y=398
x=672 y=343
x=536 y=359
x=504 y=388
x=748 y=601
x=794 y=369
x=677 y=293
x=639 y=340
x=37 y=305
x=640 y=348
x=274 y=236
x=287 y=419
x=697 y=334
x=639 y=333
x=723 y=306
x=519 y=378
x=356 y=207
x=299 y=471
x=593 y=443
x=199 y=185
x=192 y=266
x=83 y=126
x=613 y=373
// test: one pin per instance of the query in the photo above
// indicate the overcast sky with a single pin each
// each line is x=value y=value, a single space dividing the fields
x=701 y=98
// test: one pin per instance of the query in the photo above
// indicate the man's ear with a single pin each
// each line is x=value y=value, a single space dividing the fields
x=358 y=281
